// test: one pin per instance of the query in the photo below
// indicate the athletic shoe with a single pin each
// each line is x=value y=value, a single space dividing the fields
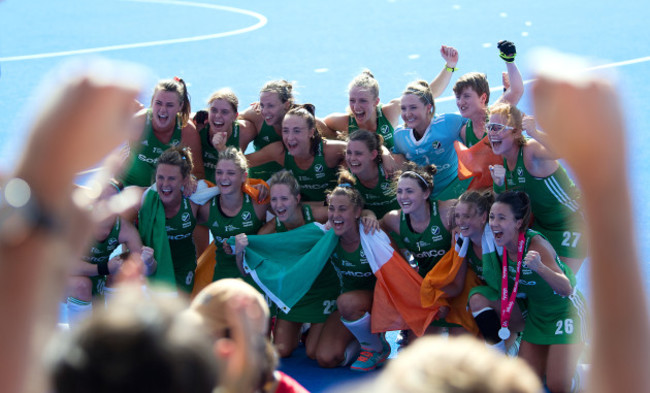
x=369 y=360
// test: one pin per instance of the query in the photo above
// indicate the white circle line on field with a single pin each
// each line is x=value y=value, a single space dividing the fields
x=594 y=68
x=262 y=20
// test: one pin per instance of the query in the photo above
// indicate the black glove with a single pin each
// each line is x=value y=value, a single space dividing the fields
x=507 y=51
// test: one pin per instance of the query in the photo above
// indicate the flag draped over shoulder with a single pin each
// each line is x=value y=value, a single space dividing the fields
x=207 y=261
x=153 y=232
x=475 y=162
x=443 y=274
x=396 y=303
x=491 y=259
x=286 y=264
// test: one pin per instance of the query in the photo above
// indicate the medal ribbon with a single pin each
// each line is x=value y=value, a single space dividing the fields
x=507 y=303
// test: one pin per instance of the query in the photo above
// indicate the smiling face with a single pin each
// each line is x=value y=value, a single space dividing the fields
x=362 y=104
x=502 y=141
x=273 y=109
x=410 y=195
x=415 y=114
x=504 y=225
x=229 y=177
x=221 y=116
x=169 y=183
x=296 y=135
x=470 y=222
x=283 y=202
x=359 y=158
x=470 y=104
x=343 y=215
x=165 y=106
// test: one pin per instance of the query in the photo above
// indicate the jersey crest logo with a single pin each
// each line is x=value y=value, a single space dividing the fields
x=436 y=145
x=384 y=129
x=318 y=168
x=385 y=186
x=215 y=224
x=185 y=216
x=145 y=142
x=112 y=241
x=520 y=171
x=246 y=216
x=435 y=230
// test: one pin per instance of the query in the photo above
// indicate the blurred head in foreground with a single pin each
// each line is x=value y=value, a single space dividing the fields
x=455 y=365
x=137 y=344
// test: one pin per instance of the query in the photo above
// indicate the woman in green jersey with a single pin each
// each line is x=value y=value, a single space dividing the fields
x=223 y=129
x=180 y=218
x=314 y=161
x=367 y=174
x=528 y=165
x=555 y=322
x=165 y=124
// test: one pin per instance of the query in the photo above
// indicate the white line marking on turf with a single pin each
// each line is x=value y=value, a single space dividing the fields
x=599 y=67
x=262 y=20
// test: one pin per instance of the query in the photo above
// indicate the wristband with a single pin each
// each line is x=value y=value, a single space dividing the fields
x=102 y=268
x=21 y=213
x=450 y=69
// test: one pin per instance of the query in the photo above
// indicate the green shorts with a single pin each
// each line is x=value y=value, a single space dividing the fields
x=319 y=302
x=562 y=323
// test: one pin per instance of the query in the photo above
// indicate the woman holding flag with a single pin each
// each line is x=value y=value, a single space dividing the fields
x=167 y=219
x=555 y=325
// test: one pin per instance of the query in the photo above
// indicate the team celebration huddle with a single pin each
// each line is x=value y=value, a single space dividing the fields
x=386 y=217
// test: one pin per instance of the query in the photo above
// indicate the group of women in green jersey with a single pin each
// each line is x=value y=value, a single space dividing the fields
x=365 y=166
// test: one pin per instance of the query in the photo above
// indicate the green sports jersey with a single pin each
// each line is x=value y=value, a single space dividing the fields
x=266 y=136
x=382 y=198
x=353 y=269
x=179 y=232
x=306 y=214
x=101 y=252
x=470 y=137
x=551 y=318
x=210 y=154
x=474 y=262
x=320 y=300
x=316 y=179
x=143 y=154
x=555 y=204
x=222 y=227
x=384 y=128
x=430 y=245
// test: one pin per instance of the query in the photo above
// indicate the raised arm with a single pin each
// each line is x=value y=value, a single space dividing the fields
x=439 y=84
x=594 y=129
x=515 y=88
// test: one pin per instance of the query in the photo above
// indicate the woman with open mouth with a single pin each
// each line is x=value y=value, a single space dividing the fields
x=421 y=226
x=167 y=218
x=366 y=112
x=352 y=318
x=531 y=167
x=367 y=174
x=232 y=211
x=312 y=160
x=223 y=129
x=555 y=322
x=266 y=116
x=165 y=124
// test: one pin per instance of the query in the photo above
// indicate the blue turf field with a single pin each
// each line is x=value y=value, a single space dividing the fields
x=321 y=46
